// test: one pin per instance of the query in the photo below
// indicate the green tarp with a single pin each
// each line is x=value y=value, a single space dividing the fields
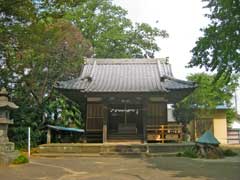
x=208 y=138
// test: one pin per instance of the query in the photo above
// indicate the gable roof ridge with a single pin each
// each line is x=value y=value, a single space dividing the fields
x=180 y=81
x=126 y=61
x=93 y=69
x=160 y=75
x=125 y=75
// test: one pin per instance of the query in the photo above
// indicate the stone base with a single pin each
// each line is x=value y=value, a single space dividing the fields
x=7 y=147
x=7 y=153
x=8 y=158
x=87 y=148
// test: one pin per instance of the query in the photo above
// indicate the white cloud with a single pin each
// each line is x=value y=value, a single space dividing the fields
x=182 y=20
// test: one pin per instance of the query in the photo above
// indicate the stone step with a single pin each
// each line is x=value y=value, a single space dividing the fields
x=114 y=148
x=120 y=154
x=69 y=148
x=106 y=154
x=169 y=147
x=66 y=155
x=124 y=149
x=88 y=148
x=162 y=154
x=103 y=154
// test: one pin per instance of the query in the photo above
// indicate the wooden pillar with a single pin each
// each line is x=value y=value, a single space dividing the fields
x=48 y=136
x=166 y=106
x=105 y=119
x=195 y=129
x=145 y=118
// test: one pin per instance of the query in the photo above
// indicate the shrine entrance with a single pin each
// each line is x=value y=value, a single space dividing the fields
x=126 y=98
x=125 y=121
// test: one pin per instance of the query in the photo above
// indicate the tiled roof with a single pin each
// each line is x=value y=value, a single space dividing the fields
x=125 y=75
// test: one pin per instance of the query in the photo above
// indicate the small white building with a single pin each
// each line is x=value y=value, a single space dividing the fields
x=236 y=106
x=234 y=129
x=237 y=100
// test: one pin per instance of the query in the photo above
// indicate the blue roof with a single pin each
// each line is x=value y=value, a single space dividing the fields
x=59 y=128
x=223 y=107
x=208 y=138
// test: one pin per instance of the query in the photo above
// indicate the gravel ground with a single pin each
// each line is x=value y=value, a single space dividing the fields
x=119 y=168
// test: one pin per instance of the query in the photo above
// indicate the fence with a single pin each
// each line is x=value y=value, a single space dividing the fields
x=164 y=133
x=233 y=136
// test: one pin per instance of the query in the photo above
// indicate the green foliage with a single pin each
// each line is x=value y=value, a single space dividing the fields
x=19 y=134
x=231 y=115
x=179 y=154
x=64 y=113
x=111 y=33
x=229 y=152
x=188 y=152
x=37 y=49
x=211 y=93
x=45 y=54
x=21 y=159
x=219 y=48
x=40 y=45
x=206 y=97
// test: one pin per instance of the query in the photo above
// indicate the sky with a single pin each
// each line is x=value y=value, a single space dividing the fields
x=182 y=19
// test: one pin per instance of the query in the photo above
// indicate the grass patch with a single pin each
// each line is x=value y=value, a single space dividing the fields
x=229 y=152
x=21 y=159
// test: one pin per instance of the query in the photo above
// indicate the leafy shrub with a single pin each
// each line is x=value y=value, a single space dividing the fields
x=189 y=152
x=229 y=152
x=179 y=154
x=19 y=136
x=21 y=159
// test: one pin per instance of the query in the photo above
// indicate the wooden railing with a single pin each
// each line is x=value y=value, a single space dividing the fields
x=164 y=133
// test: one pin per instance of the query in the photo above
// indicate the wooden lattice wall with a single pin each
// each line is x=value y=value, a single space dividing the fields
x=95 y=116
x=157 y=113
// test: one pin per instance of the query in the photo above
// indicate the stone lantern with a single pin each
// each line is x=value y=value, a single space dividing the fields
x=7 y=151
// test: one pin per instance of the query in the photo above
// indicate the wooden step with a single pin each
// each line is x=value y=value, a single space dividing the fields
x=133 y=141
x=124 y=136
x=94 y=137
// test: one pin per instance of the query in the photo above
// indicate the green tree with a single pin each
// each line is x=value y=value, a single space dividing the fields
x=206 y=97
x=219 y=48
x=111 y=33
x=60 y=113
x=37 y=49
x=44 y=54
x=41 y=44
x=17 y=15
